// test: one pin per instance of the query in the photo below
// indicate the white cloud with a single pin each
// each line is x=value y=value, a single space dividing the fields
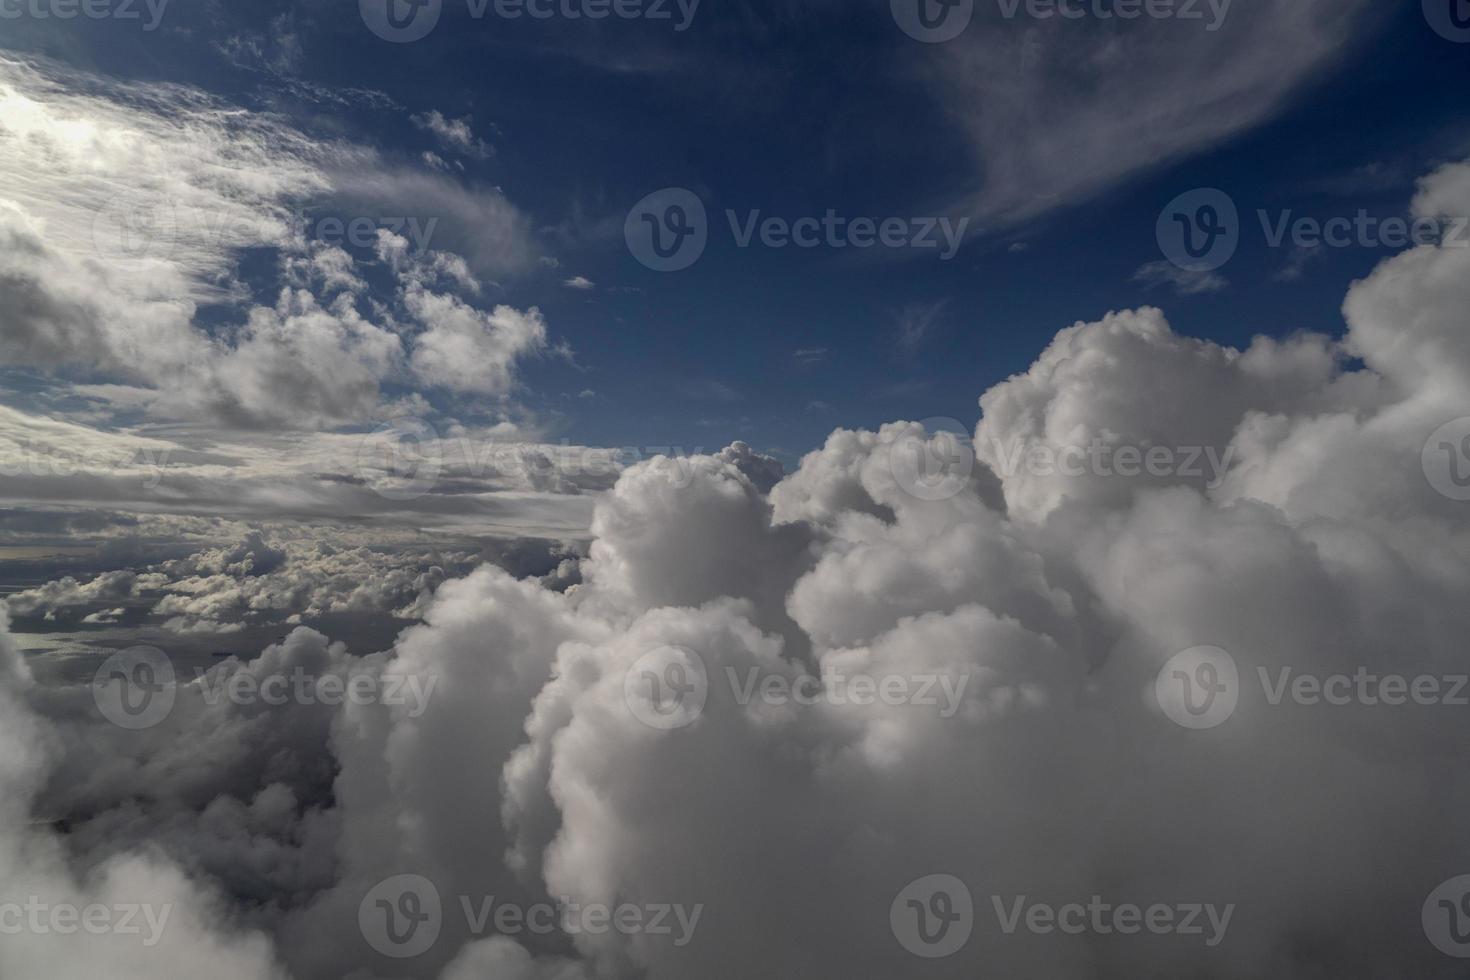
x=124 y=211
x=1046 y=601
x=453 y=134
x=1185 y=282
x=467 y=350
x=1119 y=98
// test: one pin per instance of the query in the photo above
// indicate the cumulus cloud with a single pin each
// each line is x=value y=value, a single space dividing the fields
x=467 y=350
x=191 y=921
x=126 y=211
x=1041 y=590
x=219 y=590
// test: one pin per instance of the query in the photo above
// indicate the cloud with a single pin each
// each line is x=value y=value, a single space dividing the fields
x=453 y=134
x=466 y=350
x=1119 y=97
x=1043 y=600
x=125 y=212
x=917 y=322
x=1185 y=282
x=190 y=927
x=579 y=282
x=1297 y=262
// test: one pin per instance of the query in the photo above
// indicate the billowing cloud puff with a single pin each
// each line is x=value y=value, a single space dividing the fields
x=182 y=926
x=109 y=283
x=1062 y=670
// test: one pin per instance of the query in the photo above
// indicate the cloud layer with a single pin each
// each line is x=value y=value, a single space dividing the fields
x=1043 y=591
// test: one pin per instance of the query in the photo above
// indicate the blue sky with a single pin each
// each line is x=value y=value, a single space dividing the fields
x=794 y=109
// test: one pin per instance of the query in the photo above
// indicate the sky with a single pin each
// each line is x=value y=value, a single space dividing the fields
x=790 y=110
x=610 y=388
